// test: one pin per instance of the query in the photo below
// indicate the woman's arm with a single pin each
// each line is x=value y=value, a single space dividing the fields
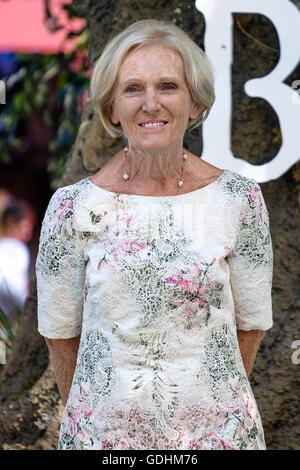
x=249 y=342
x=63 y=356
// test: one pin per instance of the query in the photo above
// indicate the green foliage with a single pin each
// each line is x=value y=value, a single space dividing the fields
x=55 y=85
x=8 y=329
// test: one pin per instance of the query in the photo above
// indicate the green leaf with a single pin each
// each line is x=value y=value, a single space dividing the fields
x=18 y=101
x=48 y=118
x=52 y=145
x=62 y=80
x=15 y=142
x=5 y=158
x=6 y=325
x=95 y=219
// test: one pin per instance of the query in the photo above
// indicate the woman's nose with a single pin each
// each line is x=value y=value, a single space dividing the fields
x=151 y=102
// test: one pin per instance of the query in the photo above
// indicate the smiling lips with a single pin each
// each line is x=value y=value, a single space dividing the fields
x=153 y=124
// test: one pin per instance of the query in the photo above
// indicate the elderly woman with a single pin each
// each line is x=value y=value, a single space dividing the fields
x=154 y=275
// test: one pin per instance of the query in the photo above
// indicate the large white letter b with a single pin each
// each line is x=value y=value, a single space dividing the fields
x=218 y=46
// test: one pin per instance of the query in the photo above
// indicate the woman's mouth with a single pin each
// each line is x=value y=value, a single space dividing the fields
x=153 y=124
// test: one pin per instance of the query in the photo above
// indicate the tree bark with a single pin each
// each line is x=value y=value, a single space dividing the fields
x=30 y=407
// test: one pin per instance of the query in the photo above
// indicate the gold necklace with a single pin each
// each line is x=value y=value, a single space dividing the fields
x=180 y=182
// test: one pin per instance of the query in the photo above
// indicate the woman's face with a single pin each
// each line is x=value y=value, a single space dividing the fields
x=151 y=99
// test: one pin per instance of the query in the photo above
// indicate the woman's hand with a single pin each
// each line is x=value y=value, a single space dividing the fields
x=249 y=342
x=63 y=356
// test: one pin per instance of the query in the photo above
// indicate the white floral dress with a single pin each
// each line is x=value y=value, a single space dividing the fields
x=157 y=286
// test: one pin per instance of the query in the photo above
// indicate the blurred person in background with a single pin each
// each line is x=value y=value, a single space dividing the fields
x=17 y=220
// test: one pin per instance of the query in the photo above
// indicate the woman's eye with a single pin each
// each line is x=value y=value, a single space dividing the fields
x=169 y=86
x=131 y=89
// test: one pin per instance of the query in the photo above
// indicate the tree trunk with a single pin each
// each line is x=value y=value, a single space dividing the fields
x=30 y=407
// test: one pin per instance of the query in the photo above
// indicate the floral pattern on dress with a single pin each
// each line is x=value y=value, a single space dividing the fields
x=159 y=365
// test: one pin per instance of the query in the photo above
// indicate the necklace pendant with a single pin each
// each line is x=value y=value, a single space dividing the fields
x=180 y=183
x=125 y=175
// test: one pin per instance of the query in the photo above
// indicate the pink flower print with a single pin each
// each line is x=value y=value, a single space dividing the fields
x=99 y=265
x=75 y=413
x=224 y=410
x=60 y=213
x=58 y=200
x=186 y=285
x=101 y=214
x=64 y=208
x=107 y=445
x=125 y=244
x=69 y=427
x=81 y=435
x=127 y=219
x=138 y=245
x=87 y=413
x=195 y=270
x=202 y=301
x=243 y=216
x=256 y=198
x=249 y=407
x=251 y=194
x=235 y=386
x=248 y=423
x=131 y=246
x=172 y=280
x=116 y=254
x=196 y=444
x=187 y=311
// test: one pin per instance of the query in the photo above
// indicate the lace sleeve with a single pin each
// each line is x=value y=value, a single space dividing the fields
x=251 y=264
x=60 y=270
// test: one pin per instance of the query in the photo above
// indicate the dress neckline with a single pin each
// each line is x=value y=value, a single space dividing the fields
x=178 y=196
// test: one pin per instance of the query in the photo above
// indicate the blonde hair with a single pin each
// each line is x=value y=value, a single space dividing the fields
x=198 y=68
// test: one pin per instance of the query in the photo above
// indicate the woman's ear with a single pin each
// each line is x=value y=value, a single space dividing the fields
x=195 y=109
x=113 y=115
